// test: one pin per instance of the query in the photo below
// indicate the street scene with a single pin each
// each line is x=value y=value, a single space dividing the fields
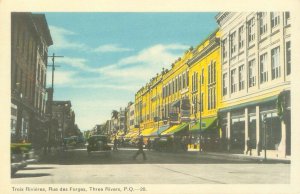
x=151 y=98
x=76 y=166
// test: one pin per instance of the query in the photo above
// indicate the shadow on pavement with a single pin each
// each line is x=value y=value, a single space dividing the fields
x=80 y=157
x=37 y=168
x=25 y=175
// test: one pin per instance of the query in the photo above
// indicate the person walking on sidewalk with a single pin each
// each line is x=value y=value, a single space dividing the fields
x=249 y=146
x=140 y=149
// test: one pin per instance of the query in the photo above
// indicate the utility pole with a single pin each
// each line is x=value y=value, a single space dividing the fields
x=52 y=90
x=53 y=69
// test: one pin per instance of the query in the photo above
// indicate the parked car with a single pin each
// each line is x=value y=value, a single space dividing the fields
x=22 y=154
x=98 y=143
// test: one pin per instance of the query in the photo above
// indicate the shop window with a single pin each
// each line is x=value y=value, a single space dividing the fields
x=271 y=131
x=238 y=133
x=252 y=130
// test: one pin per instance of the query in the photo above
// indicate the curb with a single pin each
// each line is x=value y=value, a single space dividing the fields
x=245 y=157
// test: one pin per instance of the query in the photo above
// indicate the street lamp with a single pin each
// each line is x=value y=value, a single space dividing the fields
x=265 y=136
x=200 y=116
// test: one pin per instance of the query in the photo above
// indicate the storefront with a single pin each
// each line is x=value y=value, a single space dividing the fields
x=267 y=127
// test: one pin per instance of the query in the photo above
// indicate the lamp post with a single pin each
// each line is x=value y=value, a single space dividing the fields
x=265 y=136
x=200 y=116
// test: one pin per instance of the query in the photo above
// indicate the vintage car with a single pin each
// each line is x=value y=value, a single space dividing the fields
x=22 y=154
x=98 y=143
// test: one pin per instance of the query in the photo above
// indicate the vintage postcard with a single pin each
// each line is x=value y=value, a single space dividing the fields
x=149 y=97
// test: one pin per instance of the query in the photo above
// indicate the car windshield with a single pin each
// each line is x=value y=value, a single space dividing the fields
x=98 y=138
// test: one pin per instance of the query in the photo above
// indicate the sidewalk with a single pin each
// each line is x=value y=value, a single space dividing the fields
x=224 y=155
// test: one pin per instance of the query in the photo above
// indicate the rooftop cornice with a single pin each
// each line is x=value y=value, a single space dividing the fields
x=214 y=43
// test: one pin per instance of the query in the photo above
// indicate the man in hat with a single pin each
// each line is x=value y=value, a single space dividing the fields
x=140 y=149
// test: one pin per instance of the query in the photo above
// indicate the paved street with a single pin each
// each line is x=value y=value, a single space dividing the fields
x=76 y=166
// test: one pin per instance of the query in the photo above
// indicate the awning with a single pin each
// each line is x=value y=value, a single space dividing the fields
x=176 y=103
x=247 y=104
x=131 y=134
x=160 y=130
x=148 y=132
x=207 y=123
x=176 y=128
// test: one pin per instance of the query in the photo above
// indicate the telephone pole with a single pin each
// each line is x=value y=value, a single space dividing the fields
x=50 y=93
x=53 y=69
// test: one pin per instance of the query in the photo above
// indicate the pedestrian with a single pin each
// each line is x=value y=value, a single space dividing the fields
x=249 y=146
x=149 y=144
x=140 y=149
x=115 y=144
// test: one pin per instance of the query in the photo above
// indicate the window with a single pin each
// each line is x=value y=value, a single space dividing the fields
x=263 y=23
x=224 y=50
x=209 y=73
x=173 y=87
x=233 y=81
x=241 y=37
x=241 y=77
x=274 y=19
x=287 y=18
x=251 y=30
x=187 y=78
x=202 y=79
x=179 y=82
x=212 y=72
x=225 y=84
x=194 y=82
x=263 y=68
x=232 y=43
x=275 y=62
x=288 y=57
x=201 y=102
x=251 y=70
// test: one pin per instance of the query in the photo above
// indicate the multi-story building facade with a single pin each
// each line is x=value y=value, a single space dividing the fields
x=130 y=116
x=205 y=89
x=63 y=113
x=175 y=91
x=29 y=50
x=256 y=71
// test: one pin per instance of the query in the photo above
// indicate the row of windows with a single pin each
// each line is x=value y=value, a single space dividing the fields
x=239 y=40
x=178 y=83
x=237 y=81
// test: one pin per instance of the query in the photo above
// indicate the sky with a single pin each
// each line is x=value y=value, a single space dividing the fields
x=108 y=57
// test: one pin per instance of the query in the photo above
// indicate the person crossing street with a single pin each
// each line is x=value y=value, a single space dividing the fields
x=140 y=149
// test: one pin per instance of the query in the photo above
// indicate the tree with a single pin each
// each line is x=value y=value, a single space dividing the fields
x=114 y=114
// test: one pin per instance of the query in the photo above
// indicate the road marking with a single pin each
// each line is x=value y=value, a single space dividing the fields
x=219 y=182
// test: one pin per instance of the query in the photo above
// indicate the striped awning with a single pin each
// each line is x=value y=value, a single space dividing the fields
x=175 y=129
x=206 y=123
x=160 y=130
x=147 y=132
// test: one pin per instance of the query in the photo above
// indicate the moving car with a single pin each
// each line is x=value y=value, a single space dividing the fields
x=98 y=143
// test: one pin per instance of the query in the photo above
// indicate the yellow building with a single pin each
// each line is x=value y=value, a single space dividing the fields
x=204 y=70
